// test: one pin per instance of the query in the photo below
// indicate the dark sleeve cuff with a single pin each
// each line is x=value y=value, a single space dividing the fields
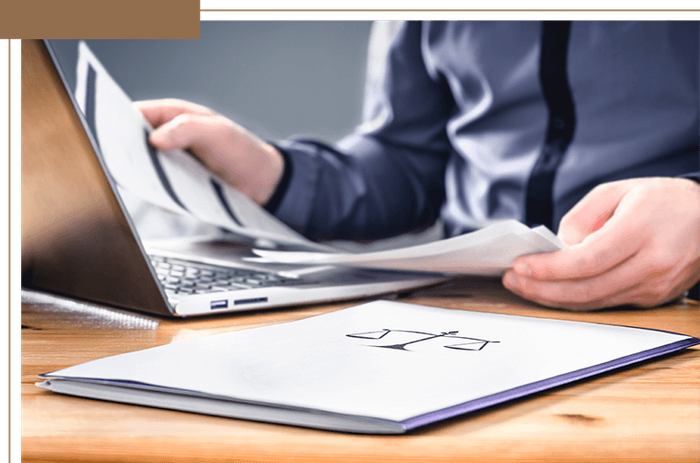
x=281 y=189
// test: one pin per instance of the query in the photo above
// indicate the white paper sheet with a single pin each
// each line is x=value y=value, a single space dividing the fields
x=489 y=251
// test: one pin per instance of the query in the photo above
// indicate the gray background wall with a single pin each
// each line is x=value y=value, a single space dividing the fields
x=277 y=78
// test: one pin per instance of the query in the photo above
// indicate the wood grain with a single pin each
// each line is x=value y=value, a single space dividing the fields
x=650 y=412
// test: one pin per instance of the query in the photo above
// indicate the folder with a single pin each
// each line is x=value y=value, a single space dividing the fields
x=382 y=367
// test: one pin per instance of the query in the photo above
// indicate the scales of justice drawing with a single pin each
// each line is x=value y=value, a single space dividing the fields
x=400 y=339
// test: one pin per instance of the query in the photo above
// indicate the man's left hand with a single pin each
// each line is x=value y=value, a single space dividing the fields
x=630 y=242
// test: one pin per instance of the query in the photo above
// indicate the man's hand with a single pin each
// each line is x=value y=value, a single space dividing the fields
x=237 y=156
x=630 y=242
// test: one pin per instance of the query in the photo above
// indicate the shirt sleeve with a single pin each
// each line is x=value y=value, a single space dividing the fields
x=387 y=177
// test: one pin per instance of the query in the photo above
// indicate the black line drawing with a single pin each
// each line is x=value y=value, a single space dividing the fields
x=468 y=344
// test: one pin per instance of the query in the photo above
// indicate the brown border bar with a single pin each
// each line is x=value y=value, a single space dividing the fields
x=96 y=19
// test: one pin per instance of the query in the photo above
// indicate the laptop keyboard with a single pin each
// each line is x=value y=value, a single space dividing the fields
x=180 y=276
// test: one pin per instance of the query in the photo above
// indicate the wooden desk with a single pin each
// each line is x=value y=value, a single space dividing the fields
x=647 y=413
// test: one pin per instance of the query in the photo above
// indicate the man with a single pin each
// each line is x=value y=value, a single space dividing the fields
x=588 y=127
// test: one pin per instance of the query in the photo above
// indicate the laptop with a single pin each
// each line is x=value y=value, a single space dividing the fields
x=78 y=239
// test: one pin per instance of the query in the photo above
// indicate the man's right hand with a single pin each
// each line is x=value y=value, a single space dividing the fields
x=240 y=158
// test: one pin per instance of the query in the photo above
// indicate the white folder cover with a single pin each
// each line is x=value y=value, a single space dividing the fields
x=383 y=367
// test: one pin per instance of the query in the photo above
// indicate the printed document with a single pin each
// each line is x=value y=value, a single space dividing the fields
x=174 y=180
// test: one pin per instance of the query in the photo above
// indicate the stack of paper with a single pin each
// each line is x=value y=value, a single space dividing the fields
x=488 y=251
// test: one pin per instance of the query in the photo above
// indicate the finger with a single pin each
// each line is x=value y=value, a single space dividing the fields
x=639 y=281
x=564 y=294
x=544 y=293
x=159 y=112
x=638 y=295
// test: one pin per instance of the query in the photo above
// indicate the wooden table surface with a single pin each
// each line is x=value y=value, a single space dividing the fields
x=650 y=412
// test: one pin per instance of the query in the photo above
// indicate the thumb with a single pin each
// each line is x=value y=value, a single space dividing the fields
x=183 y=131
x=592 y=212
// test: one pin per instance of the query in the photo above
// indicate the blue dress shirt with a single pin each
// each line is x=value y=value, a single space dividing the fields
x=461 y=119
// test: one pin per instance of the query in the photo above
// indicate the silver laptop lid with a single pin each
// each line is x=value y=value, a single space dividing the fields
x=77 y=239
